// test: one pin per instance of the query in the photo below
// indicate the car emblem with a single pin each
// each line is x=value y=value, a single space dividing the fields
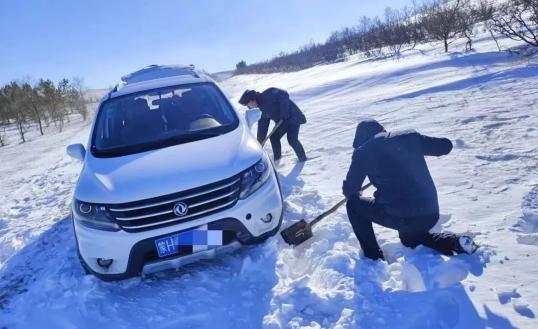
x=181 y=209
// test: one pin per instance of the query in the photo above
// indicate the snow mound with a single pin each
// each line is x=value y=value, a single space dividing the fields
x=528 y=225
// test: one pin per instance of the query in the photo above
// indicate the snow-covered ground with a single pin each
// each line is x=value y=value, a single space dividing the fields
x=484 y=101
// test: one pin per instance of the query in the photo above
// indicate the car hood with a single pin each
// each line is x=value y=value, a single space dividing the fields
x=168 y=170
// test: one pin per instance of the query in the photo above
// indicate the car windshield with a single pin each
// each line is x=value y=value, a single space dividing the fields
x=159 y=118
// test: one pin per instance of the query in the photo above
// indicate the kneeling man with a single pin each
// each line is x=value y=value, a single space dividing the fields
x=405 y=198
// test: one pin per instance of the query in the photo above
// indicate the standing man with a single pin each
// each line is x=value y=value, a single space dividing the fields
x=406 y=197
x=276 y=105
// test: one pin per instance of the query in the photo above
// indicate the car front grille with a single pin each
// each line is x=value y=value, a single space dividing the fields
x=157 y=212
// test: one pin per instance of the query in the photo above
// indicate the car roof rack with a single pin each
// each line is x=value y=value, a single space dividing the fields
x=155 y=71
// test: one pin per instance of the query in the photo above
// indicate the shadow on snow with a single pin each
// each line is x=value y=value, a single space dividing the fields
x=427 y=300
x=477 y=60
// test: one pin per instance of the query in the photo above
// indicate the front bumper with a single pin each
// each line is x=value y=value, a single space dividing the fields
x=177 y=262
x=130 y=252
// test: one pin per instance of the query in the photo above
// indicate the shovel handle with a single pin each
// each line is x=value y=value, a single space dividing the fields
x=334 y=208
x=272 y=132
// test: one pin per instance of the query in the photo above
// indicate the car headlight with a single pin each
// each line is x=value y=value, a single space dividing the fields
x=94 y=216
x=254 y=177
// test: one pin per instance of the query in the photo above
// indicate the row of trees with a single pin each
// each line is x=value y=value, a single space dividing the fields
x=40 y=105
x=401 y=29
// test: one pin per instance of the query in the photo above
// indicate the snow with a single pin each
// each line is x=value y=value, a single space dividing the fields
x=484 y=101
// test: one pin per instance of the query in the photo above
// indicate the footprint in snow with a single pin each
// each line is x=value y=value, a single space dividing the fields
x=512 y=296
x=523 y=309
x=506 y=296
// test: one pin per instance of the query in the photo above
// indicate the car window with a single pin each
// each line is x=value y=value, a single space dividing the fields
x=166 y=116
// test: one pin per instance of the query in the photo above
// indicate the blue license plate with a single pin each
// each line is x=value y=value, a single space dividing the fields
x=198 y=239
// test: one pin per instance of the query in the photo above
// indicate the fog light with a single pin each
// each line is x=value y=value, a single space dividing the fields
x=267 y=218
x=103 y=262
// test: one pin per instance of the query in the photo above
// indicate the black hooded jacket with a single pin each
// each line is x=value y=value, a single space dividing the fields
x=276 y=105
x=394 y=163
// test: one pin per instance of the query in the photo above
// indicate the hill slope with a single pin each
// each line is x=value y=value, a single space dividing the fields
x=484 y=101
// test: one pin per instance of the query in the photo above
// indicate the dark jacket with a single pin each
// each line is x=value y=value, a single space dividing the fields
x=394 y=163
x=276 y=105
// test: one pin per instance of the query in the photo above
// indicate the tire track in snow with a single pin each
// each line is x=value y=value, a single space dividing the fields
x=37 y=203
x=52 y=249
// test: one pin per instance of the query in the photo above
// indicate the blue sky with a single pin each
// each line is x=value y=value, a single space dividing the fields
x=102 y=40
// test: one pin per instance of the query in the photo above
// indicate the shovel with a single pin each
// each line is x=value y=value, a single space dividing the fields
x=272 y=132
x=302 y=230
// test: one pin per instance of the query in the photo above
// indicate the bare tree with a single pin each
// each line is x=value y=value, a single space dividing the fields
x=350 y=42
x=483 y=11
x=53 y=101
x=62 y=91
x=518 y=20
x=13 y=96
x=4 y=117
x=414 y=24
x=366 y=37
x=74 y=98
x=240 y=66
x=3 y=135
x=441 y=20
x=466 y=22
x=394 y=31
x=32 y=103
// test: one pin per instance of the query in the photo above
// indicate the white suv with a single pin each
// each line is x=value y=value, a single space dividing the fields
x=172 y=175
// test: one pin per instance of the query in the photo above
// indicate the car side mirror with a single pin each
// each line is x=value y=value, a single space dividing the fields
x=252 y=116
x=76 y=151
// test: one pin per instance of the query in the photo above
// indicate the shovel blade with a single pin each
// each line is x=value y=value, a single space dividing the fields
x=297 y=233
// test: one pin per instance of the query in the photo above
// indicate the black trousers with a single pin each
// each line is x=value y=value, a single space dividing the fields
x=292 y=132
x=413 y=231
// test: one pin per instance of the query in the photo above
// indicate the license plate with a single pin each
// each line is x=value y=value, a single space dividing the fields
x=198 y=239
